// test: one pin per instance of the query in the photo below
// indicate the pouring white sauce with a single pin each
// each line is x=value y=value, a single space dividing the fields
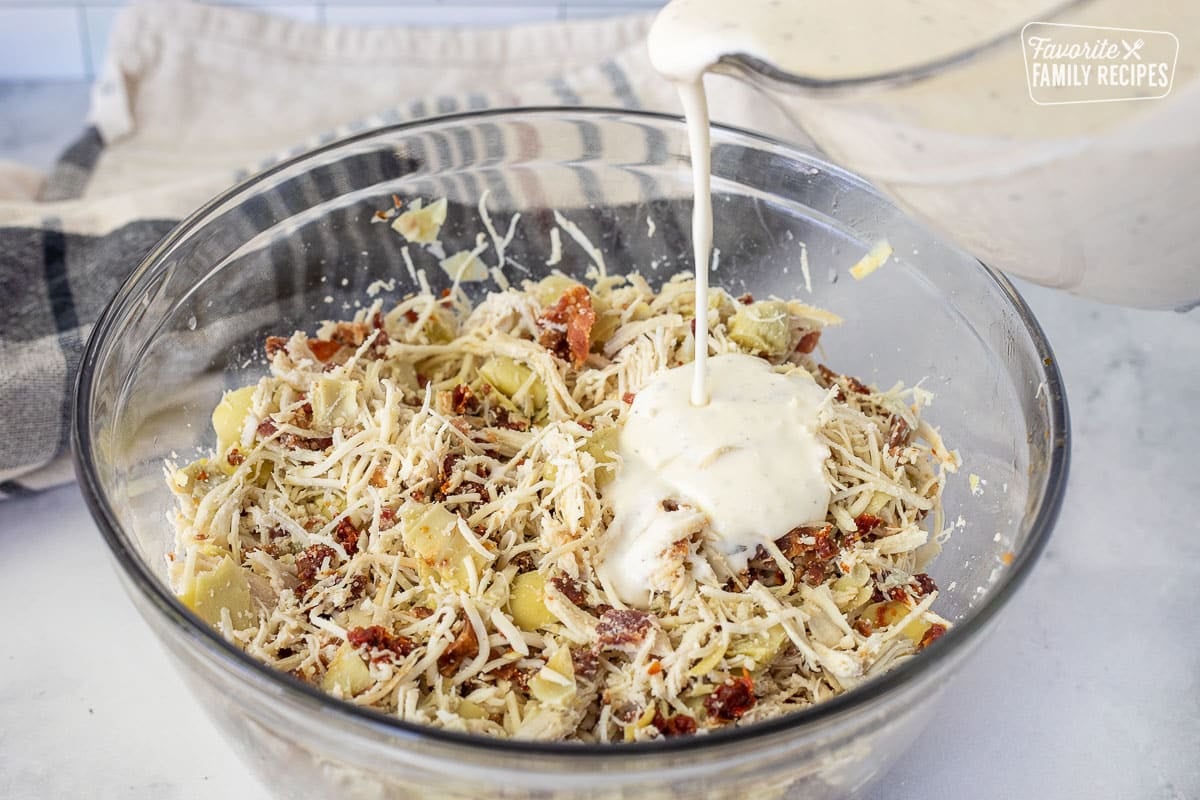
x=747 y=461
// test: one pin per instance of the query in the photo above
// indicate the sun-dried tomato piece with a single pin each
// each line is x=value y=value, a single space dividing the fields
x=350 y=334
x=867 y=525
x=808 y=342
x=935 y=632
x=274 y=344
x=266 y=429
x=898 y=594
x=463 y=400
x=566 y=326
x=464 y=646
x=622 y=628
x=347 y=536
x=815 y=563
x=925 y=584
x=675 y=725
x=732 y=699
x=322 y=349
x=309 y=561
x=383 y=644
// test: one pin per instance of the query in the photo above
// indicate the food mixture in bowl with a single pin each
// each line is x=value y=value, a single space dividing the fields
x=426 y=510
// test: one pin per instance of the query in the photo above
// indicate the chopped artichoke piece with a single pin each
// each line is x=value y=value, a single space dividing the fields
x=549 y=289
x=762 y=328
x=185 y=478
x=334 y=402
x=890 y=612
x=508 y=378
x=602 y=445
x=229 y=416
x=761 y=648
x=555 y=682
x=464 y=266
x=421 y=224
x=431 y=533
x=707 y=664
x=527 y=604
x=347 y=674
x=471 y=710
x=225 y=587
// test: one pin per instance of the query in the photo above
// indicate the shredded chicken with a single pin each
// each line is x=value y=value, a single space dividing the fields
x=409 y=511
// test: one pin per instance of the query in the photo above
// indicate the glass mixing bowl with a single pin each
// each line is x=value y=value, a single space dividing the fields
x=295 y=245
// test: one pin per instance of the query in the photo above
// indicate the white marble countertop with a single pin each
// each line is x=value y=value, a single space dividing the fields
x=1090 y=686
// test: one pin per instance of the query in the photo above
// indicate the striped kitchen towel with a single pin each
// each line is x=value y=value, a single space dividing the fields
x=195 y=98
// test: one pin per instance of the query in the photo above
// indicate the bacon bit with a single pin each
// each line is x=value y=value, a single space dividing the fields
x=925 y=584
x=274 y=345
x=746 y=299
x=898 y=594
x=935 y=632
x=569 y=588
x=396 y=201
x=505 y=420
x=421 y=612
x=418 y=495
x=898 y=435
x=830 y=378
x=384 y=645
x=670 y=505
x=676 y=725
x=357 y=586
x=379 y=478
x=876 y=594
x=309 y=562
x=628 y=397
x=654 y=668
x=808 y=342
x=863 y=626
x=322 y=349
x=567 y=326
x=201 y=474
x=347 y=536
x=1007 y=557
x=314 y=443
x=387 y=518
x=732 y=699
x=351 y=334
x=463 y=400
x=266 y=429
x=586 y=663
x=235 y=457
x=464 y=646
x=411 y=316
x=620 y=628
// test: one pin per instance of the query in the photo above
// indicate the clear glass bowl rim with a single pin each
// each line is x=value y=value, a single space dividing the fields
x=272 y=682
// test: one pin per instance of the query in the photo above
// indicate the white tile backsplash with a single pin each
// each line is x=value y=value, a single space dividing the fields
x=475 y=16
x=56 y=39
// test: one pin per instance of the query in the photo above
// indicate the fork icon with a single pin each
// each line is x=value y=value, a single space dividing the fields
x=1132 y=49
